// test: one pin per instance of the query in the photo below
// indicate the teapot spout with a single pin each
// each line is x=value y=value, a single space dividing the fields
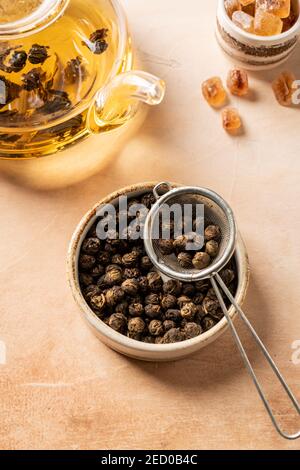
x=119 y=100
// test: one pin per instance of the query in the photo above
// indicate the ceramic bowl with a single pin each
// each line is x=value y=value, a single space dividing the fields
x=120 y=343
x=255 y=52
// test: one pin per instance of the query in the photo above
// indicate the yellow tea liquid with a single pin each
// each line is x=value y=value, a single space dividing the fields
x=48 y=79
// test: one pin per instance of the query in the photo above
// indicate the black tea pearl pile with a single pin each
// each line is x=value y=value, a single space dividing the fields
x=121 y=286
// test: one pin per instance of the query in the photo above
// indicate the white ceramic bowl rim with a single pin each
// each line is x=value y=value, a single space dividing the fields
x=259 y=39
x=72 y=261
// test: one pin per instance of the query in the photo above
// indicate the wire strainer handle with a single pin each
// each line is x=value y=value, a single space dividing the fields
x=156 y=189
x=248 y=365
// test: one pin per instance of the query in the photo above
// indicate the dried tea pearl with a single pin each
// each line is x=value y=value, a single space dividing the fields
x=188 y=311
x=132 y=273
x=168 y=325
x=91 y=290
x=114 y=296
x=172 y=287
x=98 y=302
x=113 y=267
x=130 y=259
x=156 y=328
x=283 y=88
x=227 y=276
x=212 y=232
x=280 y=8
x=122 y=307
x=183 y=323
x=188 y=289
x=133 y=203
x=168 y=301
x=267 y=24
x=136 y=309
x=91 y=246
x=212 y=248
x=138 y=299
x=154 y=281
x=38 y=54
x=133 y=335
x=185 y=260
x=148 y=200
x=113 y=277
x=202 y=286
x=87 y=262
x=117 y=322
x=85 y=279
x=101 y=282
x=117 y=259
x=173 y=315
x=198 y=298
x=183 y=300
x=217 y=315
x=207 y=323
x=130 y=287
x=146 y=263
x=237 y=82
x=143 y=283
x=136 y=325
x=153 y=311
x=179 y=244
x=210 y=305
x=214 y=92
x=231 y=6
x=104 y=258
x=201 y=260
x=243 y=21
x=97 y=270
x=138 y=249
x=200 y=313
x=211 y=294
x=152 y=299
x=148 y=339
x=192 y=330
x=166 y=247
x=173 y=336
x=158 y=339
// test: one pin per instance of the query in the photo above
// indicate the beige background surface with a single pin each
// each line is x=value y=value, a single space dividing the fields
x=60 y=387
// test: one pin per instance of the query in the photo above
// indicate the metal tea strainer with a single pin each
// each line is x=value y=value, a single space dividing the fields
x=217 y=212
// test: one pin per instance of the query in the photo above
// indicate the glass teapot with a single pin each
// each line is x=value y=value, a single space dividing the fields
x=65 y=74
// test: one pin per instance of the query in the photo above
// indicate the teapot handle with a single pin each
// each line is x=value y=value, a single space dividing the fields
x=119 y=100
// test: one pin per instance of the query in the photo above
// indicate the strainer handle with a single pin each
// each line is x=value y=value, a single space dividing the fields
x=246 y=359
x=156 y=189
